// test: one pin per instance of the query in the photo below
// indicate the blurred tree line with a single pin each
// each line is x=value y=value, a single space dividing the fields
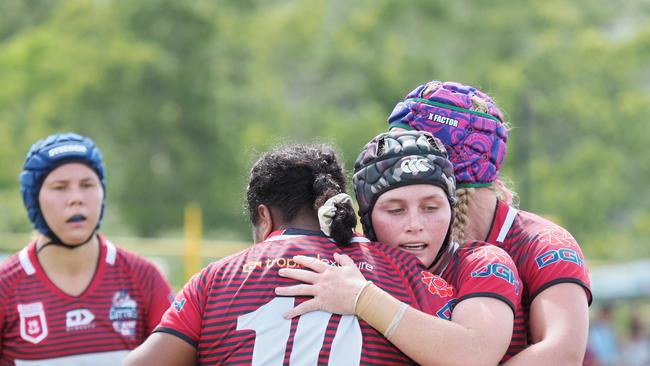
x=181 y=96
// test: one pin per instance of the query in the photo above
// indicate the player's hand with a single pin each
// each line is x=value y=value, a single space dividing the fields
x=334 y=288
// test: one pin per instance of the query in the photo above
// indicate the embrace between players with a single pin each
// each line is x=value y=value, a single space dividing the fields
x=448 y=272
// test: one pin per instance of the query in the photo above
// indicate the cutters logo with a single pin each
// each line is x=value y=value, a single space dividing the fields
x=415 y=166
x=442 y=119
x=124 y=313
x=79 y=319
x=33 y=325
x=67 y=149
x=436 y=285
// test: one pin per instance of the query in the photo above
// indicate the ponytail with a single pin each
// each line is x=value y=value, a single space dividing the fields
x=335 y=212
x=462 y=217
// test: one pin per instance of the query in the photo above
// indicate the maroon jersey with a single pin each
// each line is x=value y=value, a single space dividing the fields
x=42 y=325
x=230 y=313
x=478 y=269
x=545 y=255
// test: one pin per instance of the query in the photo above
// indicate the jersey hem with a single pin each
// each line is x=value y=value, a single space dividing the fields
x=178 y=334
x=489 y=294
x=558 y=281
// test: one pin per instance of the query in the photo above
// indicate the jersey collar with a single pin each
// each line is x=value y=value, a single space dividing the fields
x=294 y=232
x=504 y=216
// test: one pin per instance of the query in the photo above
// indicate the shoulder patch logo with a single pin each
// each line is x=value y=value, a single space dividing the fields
x=437 y=285
x=491 y=254
x=33 y=325
x=498 y=270
x=179 y=304
x=554 y=235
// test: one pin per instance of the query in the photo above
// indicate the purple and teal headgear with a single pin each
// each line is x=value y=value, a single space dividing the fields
x=476 y=141
x=48 y=154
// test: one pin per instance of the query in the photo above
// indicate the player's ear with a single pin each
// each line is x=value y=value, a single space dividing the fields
x=264 y=225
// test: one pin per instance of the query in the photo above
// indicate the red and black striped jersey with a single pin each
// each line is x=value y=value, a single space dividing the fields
x=230 y=313
x=42 y=325
x=545 y=254
x=478 y=269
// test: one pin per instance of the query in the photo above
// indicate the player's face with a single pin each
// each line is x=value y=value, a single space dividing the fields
x=414 y=218
x=71 y=201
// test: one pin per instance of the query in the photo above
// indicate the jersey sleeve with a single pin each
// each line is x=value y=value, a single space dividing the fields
x=184 y=317
x=432 y=294
x=488 y=271
x=555 y=258
x=161 y=297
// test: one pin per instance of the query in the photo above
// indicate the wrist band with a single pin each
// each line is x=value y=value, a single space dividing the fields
x=356 y=298
x=379 y=309
x=396 y=319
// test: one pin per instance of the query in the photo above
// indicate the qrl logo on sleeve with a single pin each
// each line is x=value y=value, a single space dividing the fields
x=33 y=325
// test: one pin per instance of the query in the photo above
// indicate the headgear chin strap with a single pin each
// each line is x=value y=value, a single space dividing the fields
x=43 y=157
x=58 y=242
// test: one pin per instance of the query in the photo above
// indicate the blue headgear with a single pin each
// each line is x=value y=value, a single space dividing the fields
x=46 y=155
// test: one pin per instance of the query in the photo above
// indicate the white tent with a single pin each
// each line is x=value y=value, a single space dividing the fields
x=621 y=281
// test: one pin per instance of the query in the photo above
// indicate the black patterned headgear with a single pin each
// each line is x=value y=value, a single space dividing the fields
x=400 y=158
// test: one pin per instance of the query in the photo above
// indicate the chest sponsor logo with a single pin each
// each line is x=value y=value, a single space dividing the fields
x=79 y=319
x=33 y=324
x=124 y=314
x=437 y=285
x=501 y=271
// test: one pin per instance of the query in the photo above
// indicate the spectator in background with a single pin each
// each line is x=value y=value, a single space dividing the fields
x=636 y=350
x=71 y=297
x=603 y=345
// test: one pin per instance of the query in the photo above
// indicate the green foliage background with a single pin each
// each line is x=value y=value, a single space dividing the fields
x=181 y=96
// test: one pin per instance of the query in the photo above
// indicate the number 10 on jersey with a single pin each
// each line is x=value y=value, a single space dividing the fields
x=272 y=333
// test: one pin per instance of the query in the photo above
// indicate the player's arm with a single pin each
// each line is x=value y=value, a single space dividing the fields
x=175 y=339
x=478 y=334
x=559 y=323
x=162 y=349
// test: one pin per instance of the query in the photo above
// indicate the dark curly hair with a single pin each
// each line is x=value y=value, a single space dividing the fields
x=296 y=177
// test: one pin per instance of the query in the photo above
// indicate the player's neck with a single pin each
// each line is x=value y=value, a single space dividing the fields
x=481 y=208
x=71 y=270
x=302 y=220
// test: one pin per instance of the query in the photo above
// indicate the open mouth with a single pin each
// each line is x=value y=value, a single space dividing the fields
x=76 y=218
x=413 y=247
